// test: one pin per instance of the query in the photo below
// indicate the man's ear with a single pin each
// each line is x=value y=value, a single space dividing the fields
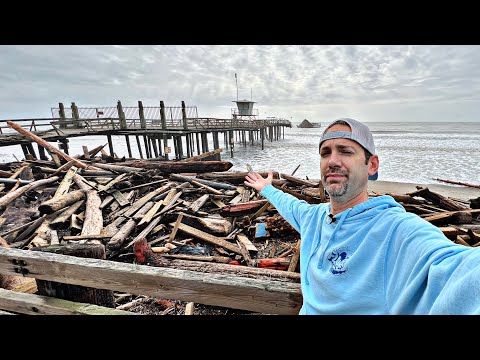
x=373 y=164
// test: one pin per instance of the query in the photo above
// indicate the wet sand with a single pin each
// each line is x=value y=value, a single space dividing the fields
x=459 y=192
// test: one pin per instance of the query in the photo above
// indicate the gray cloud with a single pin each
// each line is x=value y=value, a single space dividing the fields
x=317 y=82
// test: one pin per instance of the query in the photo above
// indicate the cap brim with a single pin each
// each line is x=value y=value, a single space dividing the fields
x=373 y=177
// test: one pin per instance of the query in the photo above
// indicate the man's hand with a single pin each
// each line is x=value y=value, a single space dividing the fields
x=256 y=181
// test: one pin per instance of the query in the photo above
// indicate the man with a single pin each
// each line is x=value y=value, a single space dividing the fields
x=362 y=255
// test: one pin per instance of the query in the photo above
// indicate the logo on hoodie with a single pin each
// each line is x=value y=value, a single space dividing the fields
x=338 y=258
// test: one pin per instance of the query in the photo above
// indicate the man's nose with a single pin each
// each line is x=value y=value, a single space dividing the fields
x=334 y=159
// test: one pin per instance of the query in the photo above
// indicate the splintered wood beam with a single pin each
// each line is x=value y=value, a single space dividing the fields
x=45 y=144
x=260 y=295
x=246 y=242
x=296 y=256
x=8 y=198
x=209 y=238
x=32 y=304
x=175 y=228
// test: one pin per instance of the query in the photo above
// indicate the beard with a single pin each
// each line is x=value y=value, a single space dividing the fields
x=336 y=189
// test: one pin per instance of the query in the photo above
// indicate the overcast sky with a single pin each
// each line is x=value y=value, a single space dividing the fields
x=296 y=82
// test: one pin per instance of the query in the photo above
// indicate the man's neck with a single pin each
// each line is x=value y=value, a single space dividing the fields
x=337 y=206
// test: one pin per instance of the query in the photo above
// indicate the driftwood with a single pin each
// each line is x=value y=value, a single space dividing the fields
x=119 y=238
x=213 y=225
x=204 y=155
x=209 y=238
x=298 y=181
x=45 y=144
x=242 y=208
x=458 y=183
x=117 y=168
x=65 y=184
x=7 y=199
x=59 y=202
x=77 y=293
x=67 y=213
x=233 y=177
x=182 y=166
x=308 y=199
x=93 y=222
x=145 y=256
x=438 y=199
x=212 y=184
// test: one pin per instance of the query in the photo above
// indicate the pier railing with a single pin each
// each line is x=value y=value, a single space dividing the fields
x=105 y=124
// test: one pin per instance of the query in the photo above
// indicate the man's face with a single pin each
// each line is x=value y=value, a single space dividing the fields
x=344 y=173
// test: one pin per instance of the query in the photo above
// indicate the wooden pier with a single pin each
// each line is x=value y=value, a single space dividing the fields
x=155 y=127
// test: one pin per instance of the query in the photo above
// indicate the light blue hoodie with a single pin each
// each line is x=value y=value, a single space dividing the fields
x=376 y=258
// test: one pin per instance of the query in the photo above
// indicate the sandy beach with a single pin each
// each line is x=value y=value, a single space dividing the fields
x=459 y=192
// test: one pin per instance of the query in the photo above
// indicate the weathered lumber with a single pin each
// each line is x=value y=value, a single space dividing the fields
x=266 y=295
x=65 y=215
x=129 y=211
x=203 y=155
x=297 y=181
x=464 y=216
x=212 y=184
x=66 y=182
x=209 y=238
x=246 y=242
x=217 y=259
x=119 y=238
x=438 y=199
x=242 y=208
x=8 y=198
x=86 y=237
x=233 y=177
x=11 y=282
x=59 y=202
x=76 y=293
x=32 y=304
x=116 y=168
x=197 y=204
x=45 y=144
x=309 y=199
x=149 y=215
x=296 y=256
x=218 y=226
x=169 y=167
x=144 y=255
x=457 y=183
x=93 y=222
x=406 y=199
x=14 y=181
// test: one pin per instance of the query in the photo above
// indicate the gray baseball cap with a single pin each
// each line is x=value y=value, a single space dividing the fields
x=360 y=133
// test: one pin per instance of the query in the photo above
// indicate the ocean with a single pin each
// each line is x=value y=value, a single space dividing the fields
x=410 y=152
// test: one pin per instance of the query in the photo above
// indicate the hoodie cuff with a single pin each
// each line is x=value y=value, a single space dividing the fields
x=267 y=190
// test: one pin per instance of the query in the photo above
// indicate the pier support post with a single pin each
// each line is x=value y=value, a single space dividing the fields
x=129 y=149
x=153 y=141
x=148 y=153
x=63 y=145
x=143 y=123
x=121 y=115
x=110 y=145
x=198 y=144
x=41 y=152
x=61 y=112
x=139 y=147
x=164 y=127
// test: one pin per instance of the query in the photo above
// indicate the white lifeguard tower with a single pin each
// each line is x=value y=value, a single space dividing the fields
x=244 y=108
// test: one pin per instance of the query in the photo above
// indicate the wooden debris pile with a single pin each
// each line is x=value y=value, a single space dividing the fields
x=190 y=214
x=458 y=219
